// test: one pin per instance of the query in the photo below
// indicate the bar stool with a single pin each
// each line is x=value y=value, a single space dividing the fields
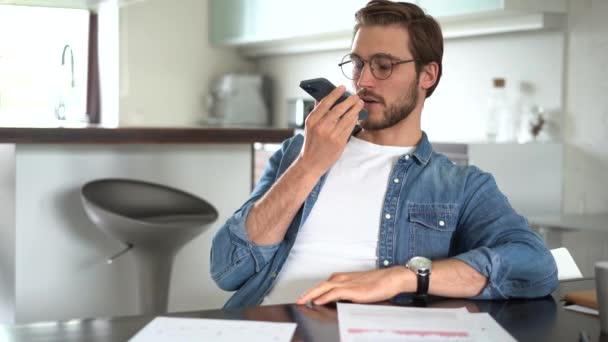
x=153 y=221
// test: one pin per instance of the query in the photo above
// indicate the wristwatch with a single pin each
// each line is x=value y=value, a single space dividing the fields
x=422 y=268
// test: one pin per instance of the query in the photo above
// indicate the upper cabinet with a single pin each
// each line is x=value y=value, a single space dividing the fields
x=76 y=4
x=447 y=9
x=267 y=27
x=235 y=22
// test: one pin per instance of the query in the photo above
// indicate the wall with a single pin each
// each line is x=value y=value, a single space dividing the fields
x=166 y=62
x=7 y=233
x=455 y=112
x=586 y=124
x=586 y=127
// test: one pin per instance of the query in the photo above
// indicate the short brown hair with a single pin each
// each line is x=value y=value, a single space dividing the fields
x=426 y=39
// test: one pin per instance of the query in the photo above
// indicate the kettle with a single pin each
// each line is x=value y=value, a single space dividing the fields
x=240 y=100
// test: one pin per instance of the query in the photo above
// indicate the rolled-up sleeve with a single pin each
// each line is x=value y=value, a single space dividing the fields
x=498 y=243
x=234 y=258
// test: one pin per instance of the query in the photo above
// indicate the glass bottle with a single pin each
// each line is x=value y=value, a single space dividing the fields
x=500 y=125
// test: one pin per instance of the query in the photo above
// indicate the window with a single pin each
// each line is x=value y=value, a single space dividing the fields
x=43 y=65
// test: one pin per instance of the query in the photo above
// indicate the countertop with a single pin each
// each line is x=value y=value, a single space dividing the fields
x=572 y=222
x=142 y=135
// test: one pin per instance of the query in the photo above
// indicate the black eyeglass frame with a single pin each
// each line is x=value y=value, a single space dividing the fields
x=393 y=60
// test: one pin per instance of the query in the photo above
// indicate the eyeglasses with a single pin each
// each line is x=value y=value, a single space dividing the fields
x=381 y=65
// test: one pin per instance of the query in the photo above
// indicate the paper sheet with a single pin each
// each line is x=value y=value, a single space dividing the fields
x=583 y=309
x=566 y=267
x=488 y=329
x=170 y=329
x=362 y=323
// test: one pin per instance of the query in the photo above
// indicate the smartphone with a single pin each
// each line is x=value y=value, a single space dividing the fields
x=318 y=88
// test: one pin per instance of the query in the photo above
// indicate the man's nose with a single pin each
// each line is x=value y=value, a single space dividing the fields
x=366 y=79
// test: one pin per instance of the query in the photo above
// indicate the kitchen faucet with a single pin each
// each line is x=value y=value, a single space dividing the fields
x=60 y=109
x=71 y=61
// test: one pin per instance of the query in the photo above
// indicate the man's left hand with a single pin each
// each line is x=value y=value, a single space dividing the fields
x=362 y=287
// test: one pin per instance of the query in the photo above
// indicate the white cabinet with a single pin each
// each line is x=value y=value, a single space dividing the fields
x=453 y=9
x=236 y=22
x=78 y=4
x=530 y=175
x=266 y=27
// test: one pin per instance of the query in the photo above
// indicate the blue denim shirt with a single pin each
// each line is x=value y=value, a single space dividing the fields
x=439 y=210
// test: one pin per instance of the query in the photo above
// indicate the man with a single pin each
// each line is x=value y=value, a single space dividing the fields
x=379 y=206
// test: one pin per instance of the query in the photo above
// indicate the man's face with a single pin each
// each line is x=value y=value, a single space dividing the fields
x=391 y=100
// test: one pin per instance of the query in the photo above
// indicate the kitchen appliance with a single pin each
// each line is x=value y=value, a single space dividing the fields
x=240 y=100
x=298 y=109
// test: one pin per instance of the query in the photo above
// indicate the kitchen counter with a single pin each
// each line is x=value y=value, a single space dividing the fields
x=45 y=235
x=143 y=135
x=571 y=222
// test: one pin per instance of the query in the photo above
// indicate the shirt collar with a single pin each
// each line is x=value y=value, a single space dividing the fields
x=424 y=150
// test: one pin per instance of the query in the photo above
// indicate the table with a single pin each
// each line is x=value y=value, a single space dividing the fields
x=535 y=320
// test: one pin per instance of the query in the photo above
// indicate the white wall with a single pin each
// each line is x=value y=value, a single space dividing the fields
x=60 y=265
x=455 y=112
x=586 y=119
x=586 y=127
x=7 y=233
x=166 y=62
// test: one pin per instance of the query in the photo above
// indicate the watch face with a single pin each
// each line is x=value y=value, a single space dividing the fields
x=419 y=264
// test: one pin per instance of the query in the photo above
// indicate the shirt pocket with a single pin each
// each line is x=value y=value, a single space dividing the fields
x=432 y=228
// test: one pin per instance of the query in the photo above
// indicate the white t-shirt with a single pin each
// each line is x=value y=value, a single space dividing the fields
x=341 y=232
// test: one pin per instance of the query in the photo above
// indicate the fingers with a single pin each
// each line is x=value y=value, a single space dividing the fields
x=339 y=277
x=334 y=281
x=315 y=292
x=348 y=121
x=341 y=109
x=327 y=292
x=334 y=295
x=322 y=107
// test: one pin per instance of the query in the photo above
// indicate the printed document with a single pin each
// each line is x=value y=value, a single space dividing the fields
x=363 y=323
x=170 y=329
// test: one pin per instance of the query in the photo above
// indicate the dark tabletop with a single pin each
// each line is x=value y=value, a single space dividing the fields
x=527 y=320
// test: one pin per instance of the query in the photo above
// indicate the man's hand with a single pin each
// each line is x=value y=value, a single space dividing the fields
x=450 y=278
x=326 y=134
x=327 y=130
x=362 y=287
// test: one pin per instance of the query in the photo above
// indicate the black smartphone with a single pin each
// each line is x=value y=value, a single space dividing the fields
x=318 y=88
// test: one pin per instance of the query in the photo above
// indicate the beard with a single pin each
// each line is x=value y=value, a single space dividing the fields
x=396 y=112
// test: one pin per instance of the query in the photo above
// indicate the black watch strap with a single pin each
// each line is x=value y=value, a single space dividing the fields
x=422 y=278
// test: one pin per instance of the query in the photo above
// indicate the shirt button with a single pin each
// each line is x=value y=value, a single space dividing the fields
x=396 y=180
x=441 y=223
x=387 y=216
x=407 y=157
x=386 y=263
x=273 y=274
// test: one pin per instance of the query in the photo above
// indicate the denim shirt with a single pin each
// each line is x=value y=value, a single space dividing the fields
x=437 y=210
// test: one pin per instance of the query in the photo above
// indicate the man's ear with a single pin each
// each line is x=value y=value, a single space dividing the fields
x=428 y=75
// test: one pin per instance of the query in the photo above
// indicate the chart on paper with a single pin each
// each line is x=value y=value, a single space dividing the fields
x=378 y=323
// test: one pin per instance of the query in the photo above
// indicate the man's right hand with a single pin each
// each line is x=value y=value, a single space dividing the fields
x=326 y=134
x=327 y=130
